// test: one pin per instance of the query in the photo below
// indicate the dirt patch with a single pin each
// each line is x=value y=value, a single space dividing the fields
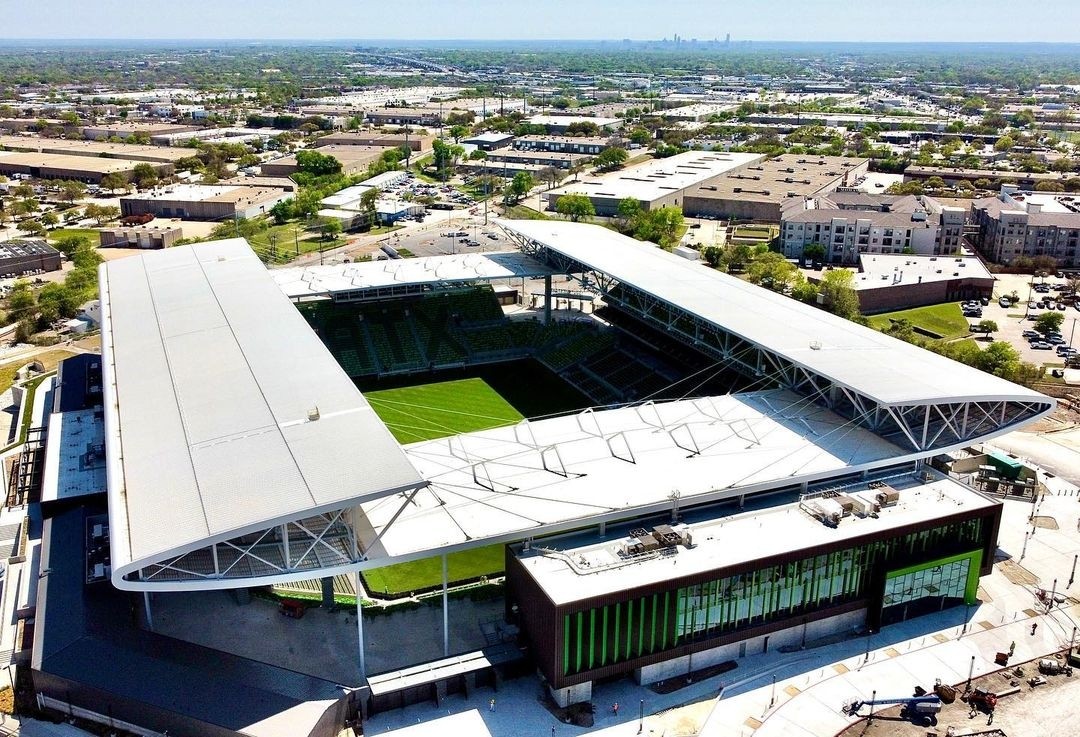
x=7 y=700
x=1029 y=712
x=672 y=685
x=1048 y=523
x=580 y=715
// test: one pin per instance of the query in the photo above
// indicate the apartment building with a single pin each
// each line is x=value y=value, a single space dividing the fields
x=848 y=224
x=588 y=145
x=1029 y=224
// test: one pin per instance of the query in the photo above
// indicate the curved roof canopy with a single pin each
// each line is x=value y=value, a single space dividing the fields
x=225 y=414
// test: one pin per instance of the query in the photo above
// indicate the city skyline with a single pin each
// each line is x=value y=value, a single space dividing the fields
x=780 y=20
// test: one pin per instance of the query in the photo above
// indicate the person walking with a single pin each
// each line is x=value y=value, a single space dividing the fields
x=615 y=708
x=1034 y=626
x=491 y=705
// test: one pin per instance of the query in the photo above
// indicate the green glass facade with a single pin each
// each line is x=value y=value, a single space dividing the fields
x=645 y=625
x=929 y=587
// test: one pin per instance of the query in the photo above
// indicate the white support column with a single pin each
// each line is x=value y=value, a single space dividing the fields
x=285 y=546
x=360 y=627
x=445 y=612
x=149 y=614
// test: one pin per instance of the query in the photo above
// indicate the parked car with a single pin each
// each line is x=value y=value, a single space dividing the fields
x=1029 y=334
x=1004 y=302
x=1041 y=345
x=1064 y=350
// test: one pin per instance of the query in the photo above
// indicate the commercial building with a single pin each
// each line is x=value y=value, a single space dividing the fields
x=88 y=169
x=648 y=601
x=558 y=124
x=898 y=282
x=655 y=183
x=489 y=140
x=954 y=175
x=851 y=121
x=23 y=256
x=417 y=143
x=763 y=190
x=354 y=160
x=429 y=116
x=101 y=149
x=1028 y=224
x=538 y=159
x=126 y=130
x=141 y=236
x=203 y=201
x=847 y=224
x=588 y=145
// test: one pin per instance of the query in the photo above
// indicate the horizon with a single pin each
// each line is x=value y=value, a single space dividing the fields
x=785 y=21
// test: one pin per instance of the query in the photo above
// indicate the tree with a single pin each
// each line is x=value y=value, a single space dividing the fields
x=144 y=175
x=114 y=181
x=457 y=132
x=986 y=327
x=838 y=290
x=814 y=253
x=368 y=202
x=611 y=158
x=1000 y=359
x=773 y=272
x=641 y=137
x=72 y=190
x=330 y=228
x=32 y=227
x=626 y=211
x=518 y=188
x=1049 y=322
x=577 y=207
x=50 y=219
x=1005 y=143
x=660 y=226
x=317 y=164
x=583 y=128
x=283 y=212
x=101 y=214
x=445 y=157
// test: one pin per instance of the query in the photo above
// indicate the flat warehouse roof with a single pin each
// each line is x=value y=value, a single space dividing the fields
x=659 y=177
x=225 y=414
x=874 y=364
x=572 y=569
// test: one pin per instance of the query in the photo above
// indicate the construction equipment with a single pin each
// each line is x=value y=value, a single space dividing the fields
x=945 y=692
x=1051 y=667
x=980 y=699
x=922 y=709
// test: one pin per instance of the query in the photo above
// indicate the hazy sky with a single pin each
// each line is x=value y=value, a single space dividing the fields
x=798 y=20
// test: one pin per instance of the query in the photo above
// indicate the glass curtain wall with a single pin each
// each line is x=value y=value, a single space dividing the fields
x=626 y=630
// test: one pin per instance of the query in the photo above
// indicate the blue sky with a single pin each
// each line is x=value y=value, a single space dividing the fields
x=788 y=20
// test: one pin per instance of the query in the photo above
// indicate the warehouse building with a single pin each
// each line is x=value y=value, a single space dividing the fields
x=898 y=282
x=126 y=130
x=28 y=255
x=417 y=143
x=354 y=160
x=489 y=140
x=102 y=149
x=203 y=201
x=848 y=224
x=89 y=169
x=588 y=145
x=655 y=183
x=558 y=124
x=763 y=190
x=538 y=159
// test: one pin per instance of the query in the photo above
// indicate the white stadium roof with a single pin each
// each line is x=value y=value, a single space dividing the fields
x=874 y=364
x=225 y=414
x=313 y=281
x=561 y=472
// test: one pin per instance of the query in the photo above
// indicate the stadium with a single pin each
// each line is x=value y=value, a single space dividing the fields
x=672 y=467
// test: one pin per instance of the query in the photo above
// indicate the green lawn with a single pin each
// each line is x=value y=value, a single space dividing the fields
x=433 y=411
x=430 y=411
x=291 y=240
x=61 y=233
x=521 y=212
x=945 y=319
x=417 y=575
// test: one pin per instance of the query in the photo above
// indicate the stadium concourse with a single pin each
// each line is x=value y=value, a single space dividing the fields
x=240 y=454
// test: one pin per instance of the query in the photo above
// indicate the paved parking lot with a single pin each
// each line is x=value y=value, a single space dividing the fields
x=1012 y=320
